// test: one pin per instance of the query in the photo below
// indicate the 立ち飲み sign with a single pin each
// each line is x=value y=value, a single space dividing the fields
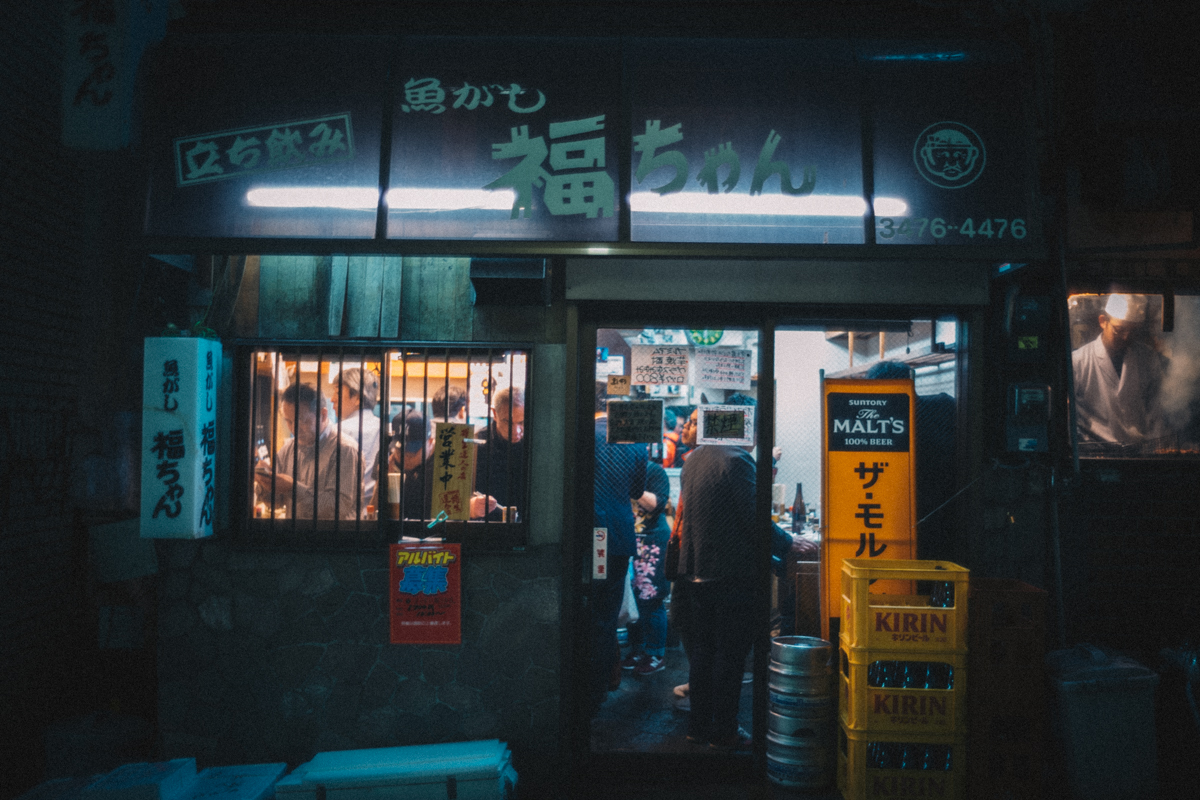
x=425 y=594
x=867 y=479
x=179 y=437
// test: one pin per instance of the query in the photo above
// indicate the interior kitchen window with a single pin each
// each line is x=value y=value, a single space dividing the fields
x=350 y=444
x=1136 y=366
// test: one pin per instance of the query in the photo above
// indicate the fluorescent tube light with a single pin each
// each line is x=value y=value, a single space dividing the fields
x=812 y=205
x=349 y=197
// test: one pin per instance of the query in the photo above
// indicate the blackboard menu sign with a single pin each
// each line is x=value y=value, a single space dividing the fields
x=635 y=422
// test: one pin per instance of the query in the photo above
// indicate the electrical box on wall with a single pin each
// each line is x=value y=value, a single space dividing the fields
x=1029 y=326
x=510 y=282
x=1027 y=423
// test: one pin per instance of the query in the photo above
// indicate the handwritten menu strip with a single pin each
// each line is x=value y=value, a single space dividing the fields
x=635 y=422
x=722 y=368
x=659 y=364
x=726 y=425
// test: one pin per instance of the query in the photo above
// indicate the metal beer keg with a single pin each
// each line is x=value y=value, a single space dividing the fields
x=801 y=712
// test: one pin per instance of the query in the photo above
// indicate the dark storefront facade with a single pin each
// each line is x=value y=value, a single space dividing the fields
x=498 y=218
x=498 y=204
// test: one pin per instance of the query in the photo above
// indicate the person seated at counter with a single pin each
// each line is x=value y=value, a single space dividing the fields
x=449 y=404
x=500 y=460
x=316 y=467
x=410 y=466
x=355 y=403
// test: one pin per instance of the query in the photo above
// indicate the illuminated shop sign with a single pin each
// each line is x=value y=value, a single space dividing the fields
x=724 y=141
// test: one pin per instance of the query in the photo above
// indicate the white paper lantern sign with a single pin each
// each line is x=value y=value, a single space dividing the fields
x=179 y=437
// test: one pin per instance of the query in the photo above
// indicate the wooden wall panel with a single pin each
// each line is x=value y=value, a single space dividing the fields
x=293 y=299
x=436 y=300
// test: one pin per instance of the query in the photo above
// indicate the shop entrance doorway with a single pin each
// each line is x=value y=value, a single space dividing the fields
x=751 y=389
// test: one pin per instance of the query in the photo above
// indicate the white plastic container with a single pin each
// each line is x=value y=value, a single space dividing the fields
x=479 y=770
x=1104 y=723
x=243 y=782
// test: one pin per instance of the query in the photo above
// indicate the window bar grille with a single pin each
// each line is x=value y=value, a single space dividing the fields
x=254 y=445
x=427 y=415
x=274 y=430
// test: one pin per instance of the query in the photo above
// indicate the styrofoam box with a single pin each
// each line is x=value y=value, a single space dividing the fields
x=479 y=770
x=244 y=782
x=59 y=788
x=158 y=780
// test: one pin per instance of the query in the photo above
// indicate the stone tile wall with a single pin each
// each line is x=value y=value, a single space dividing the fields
x=275 y=656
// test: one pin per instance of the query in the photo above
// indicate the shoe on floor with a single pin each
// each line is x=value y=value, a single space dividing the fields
x=650 y=665
x=737 y=742
x=632 y=662
x=683 y=703
x=681 y=690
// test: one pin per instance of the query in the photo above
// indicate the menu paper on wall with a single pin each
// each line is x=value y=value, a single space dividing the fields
x=179 y=437
x=618 y=384
x=635 y=422
x=868 y=481
x=722 y=368
x=722 y=424
x=659 y=364
x=425 y=594
x=453 y=471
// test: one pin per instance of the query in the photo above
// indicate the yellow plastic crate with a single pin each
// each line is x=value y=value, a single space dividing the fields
x=892 y=707
x=871 y=765
x=903 y=622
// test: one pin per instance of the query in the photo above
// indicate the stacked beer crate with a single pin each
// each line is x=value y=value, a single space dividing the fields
x=902 y=678
x=1007 y=729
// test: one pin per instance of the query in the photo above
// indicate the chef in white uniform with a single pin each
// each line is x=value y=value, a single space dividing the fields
x=1117 y=378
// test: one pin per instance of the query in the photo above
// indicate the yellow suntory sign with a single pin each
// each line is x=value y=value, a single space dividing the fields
x=868 y=480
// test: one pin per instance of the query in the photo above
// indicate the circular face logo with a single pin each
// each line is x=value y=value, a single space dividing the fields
x=949 y=155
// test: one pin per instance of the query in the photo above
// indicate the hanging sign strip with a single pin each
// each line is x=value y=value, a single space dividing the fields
x=179 y=437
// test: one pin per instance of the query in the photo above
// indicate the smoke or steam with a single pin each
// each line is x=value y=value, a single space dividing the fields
x=1180 y=396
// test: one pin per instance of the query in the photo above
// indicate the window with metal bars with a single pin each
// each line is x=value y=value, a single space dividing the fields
x=361 y=444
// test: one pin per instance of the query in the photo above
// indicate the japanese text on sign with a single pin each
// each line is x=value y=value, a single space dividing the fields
x=618 y=384
x=569 y=191
x=428 y=94
x=726 y=425
x=656 y=364
x=169 y=448
x=720 y=158
x=867 y=486
x=635 y=421
x=229 y=154
x=722 y=368
x=454 y=470
x=96 y=20
x=425 y=594
x=208 y=443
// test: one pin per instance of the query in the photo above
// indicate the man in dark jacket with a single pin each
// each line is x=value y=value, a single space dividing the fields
x=716 y=587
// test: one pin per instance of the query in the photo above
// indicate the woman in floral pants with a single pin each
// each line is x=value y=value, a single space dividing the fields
x=648 y=636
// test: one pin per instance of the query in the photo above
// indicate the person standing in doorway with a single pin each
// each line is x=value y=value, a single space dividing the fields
x=619 y=477
x=716 y=587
